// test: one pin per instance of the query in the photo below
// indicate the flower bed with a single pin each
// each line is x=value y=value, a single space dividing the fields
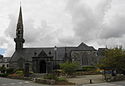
x=45 y=81
x=18 y=76
x=53 y=82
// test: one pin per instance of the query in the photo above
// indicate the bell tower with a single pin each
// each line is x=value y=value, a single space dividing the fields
x=19 y=40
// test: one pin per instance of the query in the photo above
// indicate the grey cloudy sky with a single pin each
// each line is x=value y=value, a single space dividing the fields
x=63 y=23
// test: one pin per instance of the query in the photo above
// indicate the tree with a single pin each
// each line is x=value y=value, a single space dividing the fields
x=69 y=67
x=114 y=58
x=2 y=69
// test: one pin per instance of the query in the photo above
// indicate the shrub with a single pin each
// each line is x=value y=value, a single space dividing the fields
x=19 y=72
x=3 y=75
x=62 y=79
x=88 y=68
x=69 y=67
x=58 y=72
x=9 y=70
x=2 y=69
x=50 y=76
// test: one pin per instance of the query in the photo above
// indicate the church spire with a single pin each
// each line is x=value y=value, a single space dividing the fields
x=19 y=32
x=20 y=19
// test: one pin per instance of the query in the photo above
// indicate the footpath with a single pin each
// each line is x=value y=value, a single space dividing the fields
x=87 y=79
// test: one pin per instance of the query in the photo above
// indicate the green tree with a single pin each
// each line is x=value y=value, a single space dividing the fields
x=114 y=58
x=2 y=69
x=69 y=67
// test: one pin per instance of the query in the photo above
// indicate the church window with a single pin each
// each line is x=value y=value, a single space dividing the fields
x=3 y=65
x=49 y=52
x=35 y=53
x=7 y=65
x=18 y=32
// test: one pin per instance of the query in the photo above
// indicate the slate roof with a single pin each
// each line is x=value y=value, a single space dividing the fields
x=28 y=53
x=101 y=51
x=85 y=47
x=5 y=60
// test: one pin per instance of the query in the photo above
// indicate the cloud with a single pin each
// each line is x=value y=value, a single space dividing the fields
x=35 y=36
x=101 y=23
x=10 y=31
x=68 y=41
x=115 y=28
x=86 y=20
x=3 y=42
x=66 y=22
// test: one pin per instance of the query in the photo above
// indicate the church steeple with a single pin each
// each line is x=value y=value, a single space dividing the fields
x=20 y=19
x=19 y=32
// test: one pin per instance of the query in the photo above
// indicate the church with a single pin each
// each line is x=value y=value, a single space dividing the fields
x=45 y=59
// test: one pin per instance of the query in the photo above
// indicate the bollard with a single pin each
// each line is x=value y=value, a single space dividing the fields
x=90 y=81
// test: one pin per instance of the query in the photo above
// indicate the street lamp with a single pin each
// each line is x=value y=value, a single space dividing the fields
x=55 y=49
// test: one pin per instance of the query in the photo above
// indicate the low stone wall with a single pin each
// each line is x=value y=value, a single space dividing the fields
x=118 y=78
x=110 y=78
x=44 y=81
x=21 y=78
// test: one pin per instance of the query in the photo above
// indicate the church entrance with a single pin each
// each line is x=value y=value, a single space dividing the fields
x=42 y=63
x=42 y=66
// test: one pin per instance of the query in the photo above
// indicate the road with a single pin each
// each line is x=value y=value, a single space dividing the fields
x=14 y=82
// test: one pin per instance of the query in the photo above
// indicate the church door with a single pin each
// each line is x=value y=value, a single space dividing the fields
x=26 y=70
x=42 y=66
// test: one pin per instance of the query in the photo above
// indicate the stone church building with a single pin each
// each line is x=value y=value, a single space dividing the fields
x=45 y=59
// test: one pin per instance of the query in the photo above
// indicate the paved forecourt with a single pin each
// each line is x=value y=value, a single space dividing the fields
x=122 y=83
x=14 y=82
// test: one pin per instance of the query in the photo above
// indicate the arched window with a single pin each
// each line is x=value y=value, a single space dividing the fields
x=3 y=65
x=7 y=65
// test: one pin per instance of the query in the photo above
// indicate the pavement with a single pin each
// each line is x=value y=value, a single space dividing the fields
x=14 y=82
x=85 y=79
x=119 y=83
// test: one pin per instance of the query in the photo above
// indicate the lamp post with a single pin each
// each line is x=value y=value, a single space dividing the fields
x=55 y=49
